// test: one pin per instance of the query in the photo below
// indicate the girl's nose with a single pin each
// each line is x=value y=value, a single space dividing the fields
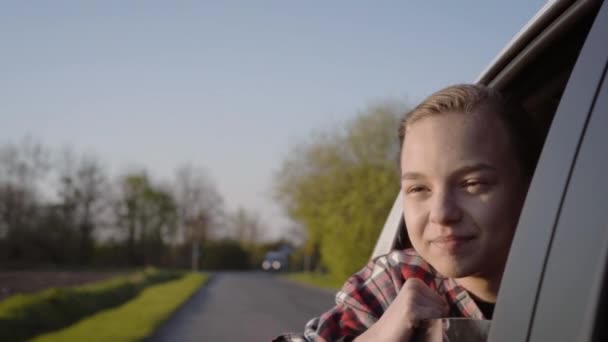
x=445 y=209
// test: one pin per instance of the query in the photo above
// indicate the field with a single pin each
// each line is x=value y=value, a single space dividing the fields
x=52 y=302
x=135 y=320
x=14 y=282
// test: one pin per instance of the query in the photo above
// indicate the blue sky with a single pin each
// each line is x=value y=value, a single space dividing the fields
x=228 y=85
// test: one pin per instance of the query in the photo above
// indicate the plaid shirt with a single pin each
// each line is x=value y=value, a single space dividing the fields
x=367 y=294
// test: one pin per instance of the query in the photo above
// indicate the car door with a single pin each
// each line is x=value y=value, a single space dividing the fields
x=521 y=69
x=526 y=305
x=573 y=278
x=555 y=272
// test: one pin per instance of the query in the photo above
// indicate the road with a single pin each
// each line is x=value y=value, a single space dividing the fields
x=244 y=306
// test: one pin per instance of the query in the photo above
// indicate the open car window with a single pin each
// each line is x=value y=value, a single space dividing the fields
x=517 y=307
x=534 y=69
x=554 y=69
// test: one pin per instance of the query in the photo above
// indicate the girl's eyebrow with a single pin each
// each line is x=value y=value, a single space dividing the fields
x=475 y=167
x=463 y=170
x=412 y=175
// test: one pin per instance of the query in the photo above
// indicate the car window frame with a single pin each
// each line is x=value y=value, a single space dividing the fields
x=517 y=307
x=575 y=271
x=576 y=264
x=522 y=279
x=523 y=47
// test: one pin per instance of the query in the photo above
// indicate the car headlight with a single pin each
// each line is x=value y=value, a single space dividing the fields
x=276 y=265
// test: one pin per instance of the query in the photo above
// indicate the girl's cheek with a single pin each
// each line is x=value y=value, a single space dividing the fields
x=414 y=221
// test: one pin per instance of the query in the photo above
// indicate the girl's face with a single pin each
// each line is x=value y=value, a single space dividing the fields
x=463 y=192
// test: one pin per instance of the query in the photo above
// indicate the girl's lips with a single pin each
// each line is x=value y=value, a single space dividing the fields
x=452 y=243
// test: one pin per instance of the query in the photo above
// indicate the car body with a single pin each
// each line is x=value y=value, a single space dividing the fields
x=554 y=287
x=277 y=260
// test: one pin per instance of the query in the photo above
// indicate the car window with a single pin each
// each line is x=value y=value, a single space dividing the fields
x=523 y=302
x=576 y=261
x=555 y=83
x=536 y=76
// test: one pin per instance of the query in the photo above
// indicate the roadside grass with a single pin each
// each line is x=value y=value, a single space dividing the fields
x=134 y=320
x=315 y=279
x=23 y=316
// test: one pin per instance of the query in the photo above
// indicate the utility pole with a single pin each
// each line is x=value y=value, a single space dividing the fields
x=195 y=254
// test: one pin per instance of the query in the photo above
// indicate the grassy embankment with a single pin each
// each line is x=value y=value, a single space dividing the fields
x=24 y=316
x=134 y=320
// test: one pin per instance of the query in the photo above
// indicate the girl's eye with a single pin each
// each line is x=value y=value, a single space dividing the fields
x=474 y=186
x=416 y=189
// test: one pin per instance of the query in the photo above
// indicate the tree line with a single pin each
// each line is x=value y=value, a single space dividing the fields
x=62 y=208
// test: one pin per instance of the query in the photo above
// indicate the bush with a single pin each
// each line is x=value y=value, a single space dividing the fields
x=134 y=320
x=341 y=185
x=25 y=315
x=297 y=260
x=224 y=255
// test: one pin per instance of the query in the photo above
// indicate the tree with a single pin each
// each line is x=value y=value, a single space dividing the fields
x=341 y=186
x=199 y=207
x=22 y=169
x=148 y=214
x=83 y=196
x=247 y=226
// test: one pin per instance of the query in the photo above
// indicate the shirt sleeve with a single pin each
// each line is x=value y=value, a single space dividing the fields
x=361 y=302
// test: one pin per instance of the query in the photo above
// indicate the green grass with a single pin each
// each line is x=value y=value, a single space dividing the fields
x=134 y=320
x=23 y=316
x=316 y=280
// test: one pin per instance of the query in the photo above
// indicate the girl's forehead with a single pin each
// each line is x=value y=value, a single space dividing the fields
x=449 y=139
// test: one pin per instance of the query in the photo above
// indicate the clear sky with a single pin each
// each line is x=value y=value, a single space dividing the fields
x=228 y=85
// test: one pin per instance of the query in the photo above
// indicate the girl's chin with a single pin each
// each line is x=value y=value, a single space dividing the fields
x=453 y=267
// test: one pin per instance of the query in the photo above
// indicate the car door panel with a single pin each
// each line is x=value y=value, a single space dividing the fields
x=572 y=281
x=523 y=274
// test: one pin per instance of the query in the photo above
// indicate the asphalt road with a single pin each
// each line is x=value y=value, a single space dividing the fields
x=244 y=306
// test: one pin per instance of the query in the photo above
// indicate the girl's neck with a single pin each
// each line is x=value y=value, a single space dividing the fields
x=484 y=289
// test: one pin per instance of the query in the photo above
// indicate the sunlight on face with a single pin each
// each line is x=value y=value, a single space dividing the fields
x=462 y=192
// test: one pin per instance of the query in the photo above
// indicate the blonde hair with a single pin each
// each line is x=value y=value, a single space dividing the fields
x=525 y=136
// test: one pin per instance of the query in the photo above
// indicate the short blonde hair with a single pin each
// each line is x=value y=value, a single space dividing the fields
x=525 y=135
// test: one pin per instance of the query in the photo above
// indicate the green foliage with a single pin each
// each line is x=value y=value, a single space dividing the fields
x=25 y=315
x=58 y=209
x=148 y=213
x=356 y=218
x=341 y=187
x=134 y=320
x=224 y=254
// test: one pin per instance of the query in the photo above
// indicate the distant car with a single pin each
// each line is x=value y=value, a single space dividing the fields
x=555 y=285
x=275 y=261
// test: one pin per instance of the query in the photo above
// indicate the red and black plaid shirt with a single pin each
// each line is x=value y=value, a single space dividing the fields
x=367 y=294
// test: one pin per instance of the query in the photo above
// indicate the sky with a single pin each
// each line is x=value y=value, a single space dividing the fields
x=229 y=86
